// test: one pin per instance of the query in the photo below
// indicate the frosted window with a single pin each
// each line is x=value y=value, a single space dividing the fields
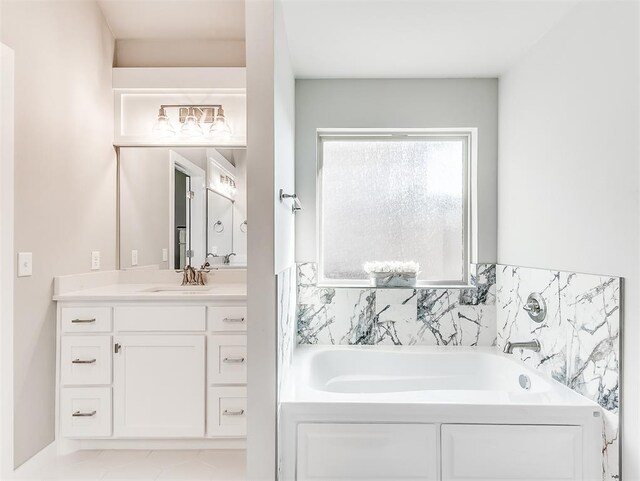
x=387 y=200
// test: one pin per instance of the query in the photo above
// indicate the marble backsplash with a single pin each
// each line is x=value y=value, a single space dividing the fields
x=361 y=316
x=286 y=318
x=580 y=337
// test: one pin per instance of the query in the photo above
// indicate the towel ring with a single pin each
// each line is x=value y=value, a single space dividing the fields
x=243 y=227
x=218 y=227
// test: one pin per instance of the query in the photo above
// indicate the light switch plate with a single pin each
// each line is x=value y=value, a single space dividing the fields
x=95 y=260
x=25 y=264
x=165 y=255
x=134 y=257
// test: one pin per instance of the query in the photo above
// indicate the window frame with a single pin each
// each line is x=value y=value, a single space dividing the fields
x=468 y=134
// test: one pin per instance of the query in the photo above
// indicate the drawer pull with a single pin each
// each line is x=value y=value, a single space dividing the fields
x=79 y=414
x=233 y=360
x=82 y=321
x=83 y=361
x=233 y=319
x=226 y=412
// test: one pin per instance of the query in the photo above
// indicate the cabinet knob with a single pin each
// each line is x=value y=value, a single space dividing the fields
x=116 y=348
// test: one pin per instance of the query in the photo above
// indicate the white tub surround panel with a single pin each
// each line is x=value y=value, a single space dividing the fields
x=356 y=316
x=580 y=337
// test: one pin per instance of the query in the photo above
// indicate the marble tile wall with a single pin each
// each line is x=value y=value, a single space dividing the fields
x=286 y=318
x=580 y=337
x=357 y=316
x=286 y=315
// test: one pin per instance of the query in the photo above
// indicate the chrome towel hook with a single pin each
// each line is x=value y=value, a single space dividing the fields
x=296 y=202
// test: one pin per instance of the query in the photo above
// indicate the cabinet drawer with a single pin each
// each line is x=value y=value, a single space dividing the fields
x=227 y=359
x=332 y=452
x=502 y=452
x=86 y=319
x=160 y=318
x=227 y=318
x=85 y=412
x=227 y=411
x=85 y=360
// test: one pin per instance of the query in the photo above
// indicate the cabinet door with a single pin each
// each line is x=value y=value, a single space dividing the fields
x=332 y=452
x=159 y=386
x=503 y=452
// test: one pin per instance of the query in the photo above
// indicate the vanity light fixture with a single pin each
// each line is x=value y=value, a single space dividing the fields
x=229 y=184
x=192 y=117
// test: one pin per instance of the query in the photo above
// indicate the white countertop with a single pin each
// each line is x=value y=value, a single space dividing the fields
x=150 y=292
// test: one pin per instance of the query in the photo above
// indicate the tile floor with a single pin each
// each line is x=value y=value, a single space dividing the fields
x=124 y=465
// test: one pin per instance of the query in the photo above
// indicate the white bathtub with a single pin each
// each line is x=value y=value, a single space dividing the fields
x=461 y=414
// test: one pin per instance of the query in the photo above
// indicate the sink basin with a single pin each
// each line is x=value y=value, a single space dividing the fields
x=179 y=289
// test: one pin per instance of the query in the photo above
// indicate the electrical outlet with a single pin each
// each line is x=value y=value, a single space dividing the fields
x=95 y=260
x=165 y=255
x=25 y=264
x=134 y=257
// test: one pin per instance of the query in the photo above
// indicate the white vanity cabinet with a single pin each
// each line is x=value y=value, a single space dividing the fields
x=151 y=371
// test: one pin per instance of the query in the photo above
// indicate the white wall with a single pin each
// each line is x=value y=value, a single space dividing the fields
x=399 y=103
x=180 y=53
x=65 y=182
x=6 y=257
x=261 y=280
x=568 y=172
x=285 y=94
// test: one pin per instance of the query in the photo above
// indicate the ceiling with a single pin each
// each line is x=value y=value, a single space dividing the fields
x=175 y=19
x=418 y=38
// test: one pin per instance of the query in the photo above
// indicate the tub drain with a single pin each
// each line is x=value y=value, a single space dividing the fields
x=525 y=382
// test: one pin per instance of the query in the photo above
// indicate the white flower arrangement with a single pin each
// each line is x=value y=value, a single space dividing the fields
x=392 y=267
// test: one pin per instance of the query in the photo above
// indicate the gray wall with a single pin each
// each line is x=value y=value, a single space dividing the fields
x=65 y=182
x=404 y=103
x=568 y=172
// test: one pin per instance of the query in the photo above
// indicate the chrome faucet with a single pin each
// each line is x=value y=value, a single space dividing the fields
x=193 y=277
x=188 y=276
x=227 y=257
x=530 y=345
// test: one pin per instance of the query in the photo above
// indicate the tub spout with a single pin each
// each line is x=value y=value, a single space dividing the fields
x=530 y=345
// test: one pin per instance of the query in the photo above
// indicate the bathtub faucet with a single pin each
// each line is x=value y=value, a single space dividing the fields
x=531 y=345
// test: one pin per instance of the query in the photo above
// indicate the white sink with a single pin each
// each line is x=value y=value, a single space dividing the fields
x=179 y=289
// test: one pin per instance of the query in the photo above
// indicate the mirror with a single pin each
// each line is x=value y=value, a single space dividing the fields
x=178 y=205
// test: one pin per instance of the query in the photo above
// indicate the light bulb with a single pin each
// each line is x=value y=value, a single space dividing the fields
x=191 y=126
x=162 y=128
x=220 y=128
